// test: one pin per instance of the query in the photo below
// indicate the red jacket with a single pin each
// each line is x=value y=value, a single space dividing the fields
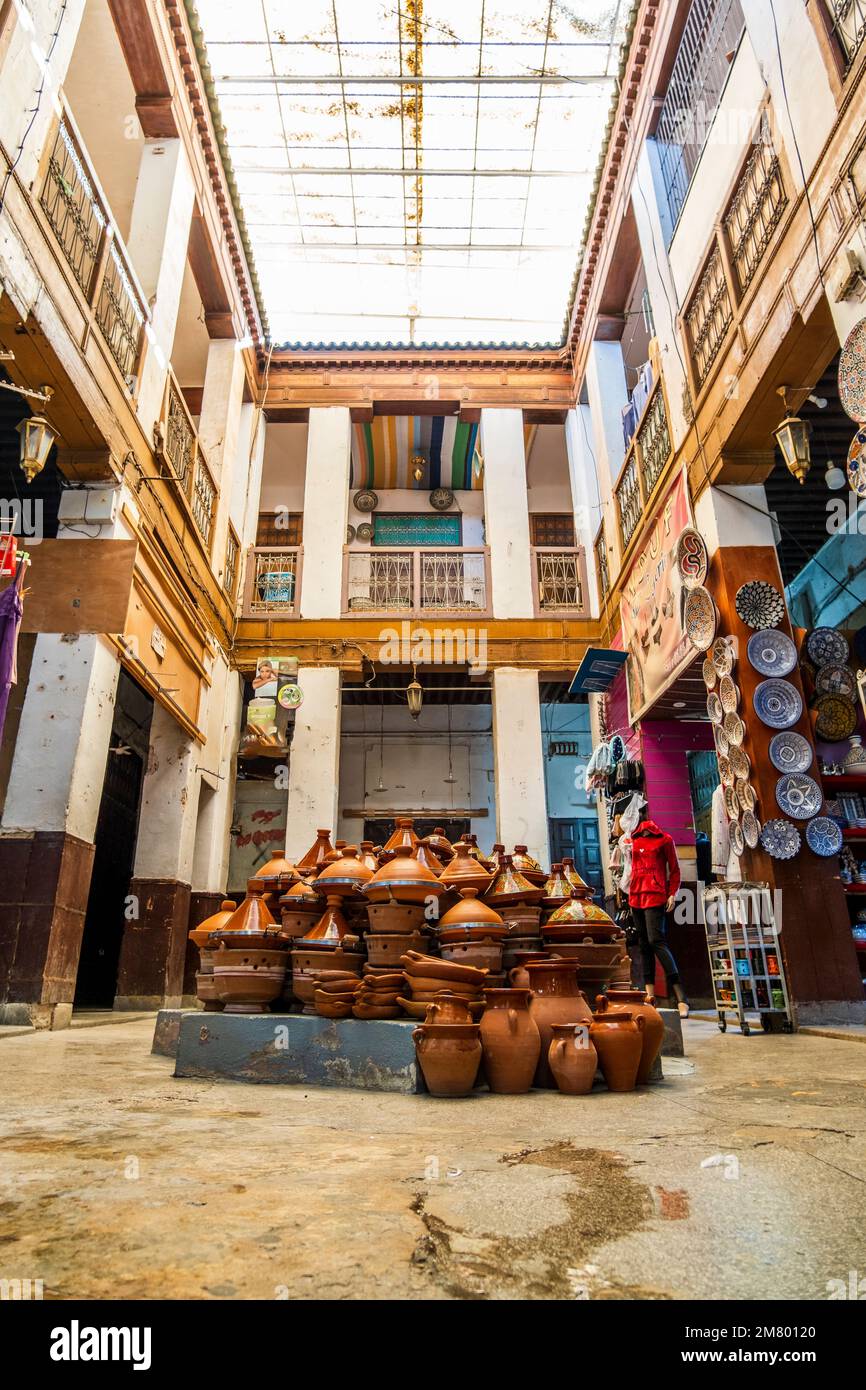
x=655 y=870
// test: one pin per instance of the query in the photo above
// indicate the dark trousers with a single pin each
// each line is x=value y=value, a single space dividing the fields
x=650 y=923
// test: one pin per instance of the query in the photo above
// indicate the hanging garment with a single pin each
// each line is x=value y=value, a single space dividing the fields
x=655 y=869
x=11 y=611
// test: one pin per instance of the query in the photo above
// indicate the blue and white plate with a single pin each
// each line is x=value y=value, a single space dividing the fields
x=799 y=795
x=778 y=704
x=790 y=752
x=781 y=839
x=772 y=653
x=824 y=836
x=827 y=647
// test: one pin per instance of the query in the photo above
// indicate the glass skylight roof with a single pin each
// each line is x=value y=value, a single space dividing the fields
x=414 y=171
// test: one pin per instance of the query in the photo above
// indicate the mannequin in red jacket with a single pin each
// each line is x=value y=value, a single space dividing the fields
x=655 y=879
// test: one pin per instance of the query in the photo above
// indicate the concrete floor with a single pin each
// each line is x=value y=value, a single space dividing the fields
x=741 y=1177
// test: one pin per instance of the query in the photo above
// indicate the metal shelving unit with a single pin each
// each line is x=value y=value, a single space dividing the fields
x=746 y=964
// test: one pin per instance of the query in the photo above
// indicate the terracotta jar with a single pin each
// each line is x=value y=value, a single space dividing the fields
x=345 y=876
x=619 y=1043
x=555 y=999
x=518 y=975
x=510 y=886
x=635 y=1002
x=404 y=836
x=464 y=871
x=574 y=877
x=199 y=935
x=510 y=1041
x=529 y=867
x=427 y=856
x=449 y=1008
x=440 y=845
x=312 y=861
x=403 y=880
x=557 y=889
x=572 y=1058
x=449 y=1055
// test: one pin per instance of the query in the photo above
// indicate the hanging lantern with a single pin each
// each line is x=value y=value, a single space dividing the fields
x=415 y=697
x=36 y=440
x=792 y=437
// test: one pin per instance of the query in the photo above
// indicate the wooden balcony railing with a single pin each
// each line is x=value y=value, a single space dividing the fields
x=416 y=582
x=79 y=216
x=559 y=580
x=273 y=581
x=644 y=464
x=848 y=19
x=177 y=443
x=602 y=567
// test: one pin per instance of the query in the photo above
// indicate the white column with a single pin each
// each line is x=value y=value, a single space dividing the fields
x=218 y=430
x=314 y=763
x=728 y=517
x=326 y=511
x=506 y=513
x=585 y=491
x=247 y=473
x=214 y=813
x=158 y=242
x=521 y=799
x=169 y=802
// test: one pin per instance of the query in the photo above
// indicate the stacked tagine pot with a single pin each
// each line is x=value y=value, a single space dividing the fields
x=581 y=931
x=471 y=933
x=249 y=959
x=312 y=862
x=465 y=871
x=556 y=998
x=204 y=980
x=400 y=894
x=440 y=844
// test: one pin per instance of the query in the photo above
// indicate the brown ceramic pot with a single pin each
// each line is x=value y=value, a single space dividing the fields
x=556 y=998
x=518 y=975
x=386 y=950
x=579 y=919
x=485 y=954
x=572 y=1058
x=471 y=912
x=199 y=935
x=404 y=836
x=313 y=860
x=332 y=927
x=403 y=880
x=510 y=1040
x=449 y=1008
x=510 y=887
x=449 y=1055
x=574 y=878
x=205 y=990
x=440 y=845
x=529 y=867
x=344 y=877
x=465 y=871
x=299 y=909
x=557 y=889
x=396 y=917
x=251 y=924
x=376 y=1010
x=429 y=988
x=635 y=1002
x=426 y=856
x=417 y=965
x=619 y=1043
x=248 y=981
x=278 y=875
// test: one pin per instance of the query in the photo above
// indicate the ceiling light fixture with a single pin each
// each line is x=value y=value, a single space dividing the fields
x=36 y=439
x=834 y=476
x=415 y=694
x=792 y=437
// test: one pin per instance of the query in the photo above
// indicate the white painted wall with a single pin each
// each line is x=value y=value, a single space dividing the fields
x=169 y=802
x=809 y=94
x=218 y=429
x=22 y=72
x=506 y=512
x=585 y=495
x=326 y=502
x=314 y=765
x=726 y=517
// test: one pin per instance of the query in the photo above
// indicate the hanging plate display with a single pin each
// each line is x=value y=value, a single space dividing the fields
x=364 y=532
x=366 y=500
x=350 y=534
x=714 y=708
x=740 y=763
x=708 y=671
x=772 y=653
x=732 y=805
x=790 y=752
x=780 y=839
x=857 y=463
x=726 y=774
x=778 y=704
x=729 y=694
x=441 y=498
x=699 y=618
x=692 y=559
x=751 y=829
x=823 y=836
x=759 y=604
x=799 y=795
x=827 y=647
x=852 y=373
x=836 y=680
x=722 y=741
x=746 y=795
x=735 y=729
x=836 y=718
x=723 y=656
x=737 y=843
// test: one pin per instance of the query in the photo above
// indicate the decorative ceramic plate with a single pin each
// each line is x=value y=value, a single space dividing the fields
x=441 y=498
x=827 y=647
x=722 y=742
x=857 y=463
x=729 y=694
x=772 y=653
x=746 y=795
x=366 y=500
x=824 y=836
x=364 y=531
x=852 y=373
x=799 y=795
x=350 y=534
x=692 y=559
x=708 y=671
x=726 y=774
x=737 y=842
x=723 y=656
x=778 y=704
x=735 y=730
x=780 y=839
x=759 y=604
x=732 y=805
x=699 y=618
x=714 y=708
x=740 y=763
x=790 y=752
x=751 y=829
x=836 y=719
x=836 y=680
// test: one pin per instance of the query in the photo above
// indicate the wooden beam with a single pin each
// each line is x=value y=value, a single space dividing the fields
x=207 y=273
x=144 y=60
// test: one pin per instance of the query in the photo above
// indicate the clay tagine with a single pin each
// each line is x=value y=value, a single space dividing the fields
x=404 y=836
x=278 y=874
x=369 y=856
x=465 y=871
x=332 y=929
x=250 y=925
x=510 y=886
x=557 y=889
x=526 y=865
x=312 y=861
x=574 y=878
x=199 y=935
x=428 y=857
x=345 y=876
x=470 y=919
x=578 y=919
x=440 y=845
x=403 y=880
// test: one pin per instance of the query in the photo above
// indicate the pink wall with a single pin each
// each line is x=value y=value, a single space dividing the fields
x=665 y=744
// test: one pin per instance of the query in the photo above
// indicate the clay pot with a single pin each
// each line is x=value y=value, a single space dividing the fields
x=440 y=845
x=403 y=880
x=368 y=856
x=470 y=911
x=313 y=860
x=449 y=1055
x=510 y=887
x=199 y=935
x=389 y=948
x=404 y=836
x=327 y=1006
x=619 y=1043
x=521 y=920
x=524 y=863
x=299 y=908
x=510 y=1040
x=494 y=859
x=340 y=986
x=449 y=1008
x=332 y=927
x=572 y=1058
x=376 y=1010
x=417 y=1007
x=579 y=919
x=252 y=924
x=396 y=917
x=635 y=1002
x=555 y=999
x=574 y=877
x=248 y=981
x=465 y=871
x=420 y=966
x=205 y=991
x=518 y=975
x=557 y=889
x=278 y=874
x=382 y=979
x=426 y=856
x=344 y=877
x=429 y=987
x=484 y=954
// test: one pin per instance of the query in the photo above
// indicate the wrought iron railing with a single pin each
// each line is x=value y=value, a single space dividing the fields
x=79 y=216
x=602 y=567
x=273 y=581
x=204 y=495
x=709 y=316
x=849 y=25
x=755 y=209
x=230 y=569
x=629 y=503
x=559 y=576
x=712 y=33
x=177 y=444
x=416 y=581
x=645 y=463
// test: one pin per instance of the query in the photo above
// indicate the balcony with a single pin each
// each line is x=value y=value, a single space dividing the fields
x=559 y=581
x=848 y=20
x=80 y=219
x=273 y=581
x=177 y=445
x=416 y=582
x=644 y=464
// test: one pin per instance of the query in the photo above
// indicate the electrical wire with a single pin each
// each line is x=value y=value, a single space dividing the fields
x=34 y=110
x=797 y=146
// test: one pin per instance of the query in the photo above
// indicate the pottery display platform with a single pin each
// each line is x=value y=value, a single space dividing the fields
x=301 y=1050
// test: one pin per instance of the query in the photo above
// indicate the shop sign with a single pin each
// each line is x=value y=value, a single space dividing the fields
x=651 y=607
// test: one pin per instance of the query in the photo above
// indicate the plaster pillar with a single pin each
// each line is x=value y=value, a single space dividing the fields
x=585 y=492
x=246 y=484
x=506 y=513
x=219 y=431
x=518 y=759
x=314 y=762
x=326 y=511
x=727 y=517
x=150 y=974
x=157 y=247
x=607 y=393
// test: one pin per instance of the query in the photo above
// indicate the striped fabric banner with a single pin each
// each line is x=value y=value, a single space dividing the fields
x=382 y=453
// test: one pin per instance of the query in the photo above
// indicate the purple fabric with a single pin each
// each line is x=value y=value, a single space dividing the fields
x=11 y=609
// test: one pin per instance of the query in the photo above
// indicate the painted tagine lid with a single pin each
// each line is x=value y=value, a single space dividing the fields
x=557 y=889
x=465 y=871
x=404 y=836
x=511 y=886
x=495 y=859
x=574 y=877
x=199 y=935
x=344 y=876
x=440 y=844
x=470 y=912
x=526 y=865
x=403 y=877
x=566 y=922
x=312 y=861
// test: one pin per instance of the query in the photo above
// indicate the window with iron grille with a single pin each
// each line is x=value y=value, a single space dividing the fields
x=755 y=209
x=552 y=528
x=230 y=570
x=279 y=528
x=709 y=316
x=848 y=20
